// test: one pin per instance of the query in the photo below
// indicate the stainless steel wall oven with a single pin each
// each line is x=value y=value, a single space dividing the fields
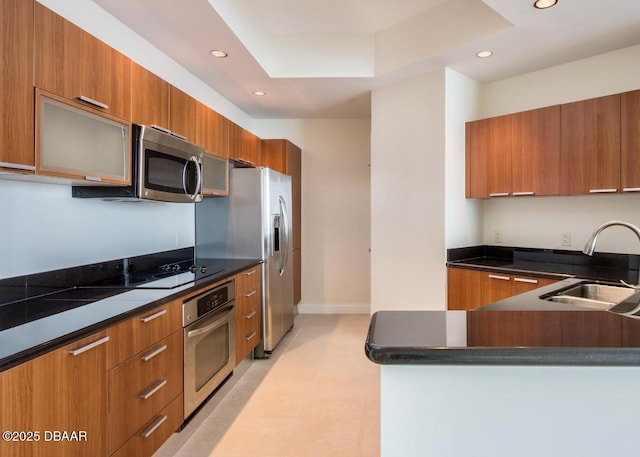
x=209 y=343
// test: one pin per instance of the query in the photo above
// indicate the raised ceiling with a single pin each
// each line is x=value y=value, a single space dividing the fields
x=322 y=58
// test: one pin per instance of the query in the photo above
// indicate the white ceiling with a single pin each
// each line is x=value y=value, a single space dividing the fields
x=321 y=58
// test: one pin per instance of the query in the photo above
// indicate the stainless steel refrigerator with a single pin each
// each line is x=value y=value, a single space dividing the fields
x=254 y=221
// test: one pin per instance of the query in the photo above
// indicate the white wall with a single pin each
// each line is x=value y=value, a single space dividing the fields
x=463 y=217
x=43 y=228
x=539 y=222
x=407 y=194
x=335 y=210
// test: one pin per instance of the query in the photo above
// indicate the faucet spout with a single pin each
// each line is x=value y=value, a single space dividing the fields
x=590 y=246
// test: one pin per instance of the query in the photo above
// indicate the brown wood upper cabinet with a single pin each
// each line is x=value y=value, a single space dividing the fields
x=536 y=152
x=212 y=131
x=182 y=114
x=591 y=146
x=244 y=146
x=75 y=65
x=16 y=87
x=630 y=141
x=514 y=155
x=149 y=98
x=488 y=150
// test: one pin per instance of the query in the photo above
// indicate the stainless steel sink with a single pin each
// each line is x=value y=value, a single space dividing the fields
x=600 y=292
x=584 y=302
x=592 y=295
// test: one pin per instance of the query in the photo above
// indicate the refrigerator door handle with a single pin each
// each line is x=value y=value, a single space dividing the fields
x=285 y=235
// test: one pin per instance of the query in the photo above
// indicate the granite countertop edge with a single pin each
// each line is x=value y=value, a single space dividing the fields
x=13 y=351
x=423 y=341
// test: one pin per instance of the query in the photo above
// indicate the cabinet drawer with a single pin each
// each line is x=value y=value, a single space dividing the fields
x=248 y=301
x=154 y=432
x=247 y=334
x=247 y=280
x=133 y=335
x=141 y=387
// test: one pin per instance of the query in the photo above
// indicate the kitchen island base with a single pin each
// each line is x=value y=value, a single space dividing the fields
x=500 y=411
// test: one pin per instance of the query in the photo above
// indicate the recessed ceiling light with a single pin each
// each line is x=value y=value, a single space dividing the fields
x=259 y=93
x=218 y=53
x=542 y=4
x=483 y=54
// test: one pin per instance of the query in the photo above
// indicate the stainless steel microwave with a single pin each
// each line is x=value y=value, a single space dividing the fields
x=165 y=168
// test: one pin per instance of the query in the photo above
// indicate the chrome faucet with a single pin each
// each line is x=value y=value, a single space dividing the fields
x=591 y=244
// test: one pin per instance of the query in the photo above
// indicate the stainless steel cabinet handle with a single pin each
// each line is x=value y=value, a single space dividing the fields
x=93 y=178
x=521 y=194
x=152 y=428
x=89 y=346
x=602 y=191
x=93 y=102
x=152 y=354
x=251 y=314
x=17 y=166
x=624 y=189
x=245 y=161
x=499 y=194
x=501 y=278
x=249 y=294
x=153 y=316
x=248 y=338
x=252 y=272
x=527 y=280
x=156 y=387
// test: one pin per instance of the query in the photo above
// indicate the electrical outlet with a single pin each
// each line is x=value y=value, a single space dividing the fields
x=497 y=236
x=565 y=239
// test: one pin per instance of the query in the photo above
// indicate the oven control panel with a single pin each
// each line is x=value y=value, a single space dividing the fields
x=202 y=304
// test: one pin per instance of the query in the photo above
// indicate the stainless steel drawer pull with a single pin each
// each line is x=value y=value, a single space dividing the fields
x=624 y=189
x=248 y=338
x=249 y=294
x=251 y=314
x=499 y=194
x=156 y=387
x=93 y=178
x=522 y=194
x=93 y=102
x=502 y=278
x=153 y=316
x=17 y=166
x=252 y=272
x=89 y=346
x=152 y=428
x=602 y=191
x=152 y=354
x=527 y=280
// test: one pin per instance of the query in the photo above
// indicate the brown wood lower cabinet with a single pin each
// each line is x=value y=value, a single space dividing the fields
x=155 y=432
x=248 y=311
x=144 y=378
x=546 y=329
x=141 y=387
x=470 y=289
x=61 y=391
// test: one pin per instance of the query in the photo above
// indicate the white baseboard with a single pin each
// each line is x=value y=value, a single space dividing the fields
x=309 y=308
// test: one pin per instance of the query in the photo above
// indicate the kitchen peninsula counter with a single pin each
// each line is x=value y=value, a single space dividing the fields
x=440 y=396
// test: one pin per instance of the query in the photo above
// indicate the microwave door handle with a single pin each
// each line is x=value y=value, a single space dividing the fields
x=198 y=177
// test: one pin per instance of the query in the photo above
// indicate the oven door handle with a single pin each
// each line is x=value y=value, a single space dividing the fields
x=211 y=326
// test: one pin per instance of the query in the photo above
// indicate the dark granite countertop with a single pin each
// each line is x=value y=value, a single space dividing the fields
x=550 y=263
x=439 y=338
x=26 y=334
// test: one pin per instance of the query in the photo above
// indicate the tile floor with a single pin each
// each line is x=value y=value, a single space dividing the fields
x=317 y=396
